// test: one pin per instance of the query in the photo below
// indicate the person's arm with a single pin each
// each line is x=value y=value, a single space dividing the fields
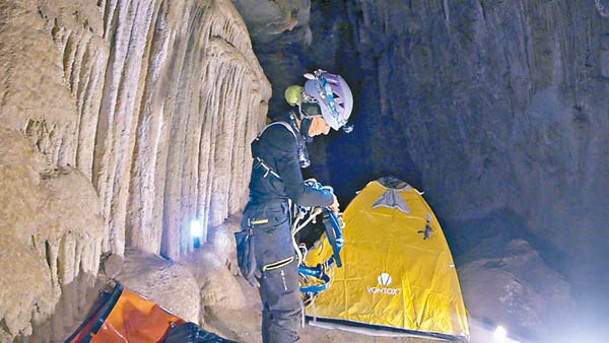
x=288 y=167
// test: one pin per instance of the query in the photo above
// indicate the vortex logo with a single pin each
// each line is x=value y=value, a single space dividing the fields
x=384 y=279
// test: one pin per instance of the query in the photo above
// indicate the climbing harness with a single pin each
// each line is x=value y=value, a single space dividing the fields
x=303 y=154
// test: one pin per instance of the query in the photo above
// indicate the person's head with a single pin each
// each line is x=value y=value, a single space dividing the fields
x=324 y=102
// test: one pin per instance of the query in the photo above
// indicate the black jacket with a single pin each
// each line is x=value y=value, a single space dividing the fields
x=277 y=148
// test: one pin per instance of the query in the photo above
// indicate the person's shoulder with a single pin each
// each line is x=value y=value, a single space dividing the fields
x=281 y=135
x=280 y=129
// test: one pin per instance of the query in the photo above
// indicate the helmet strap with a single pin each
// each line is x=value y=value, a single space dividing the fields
x=303 y=154
x=305 y=125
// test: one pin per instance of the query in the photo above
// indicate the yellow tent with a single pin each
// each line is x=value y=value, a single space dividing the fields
x=398 y=274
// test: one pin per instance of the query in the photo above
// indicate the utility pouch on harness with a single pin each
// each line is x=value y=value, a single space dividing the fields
x=246 y=255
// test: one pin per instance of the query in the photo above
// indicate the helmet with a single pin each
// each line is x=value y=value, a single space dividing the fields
x=333 y=96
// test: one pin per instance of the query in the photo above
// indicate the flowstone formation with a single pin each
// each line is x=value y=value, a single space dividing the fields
x=52 y=232
x=122 y=122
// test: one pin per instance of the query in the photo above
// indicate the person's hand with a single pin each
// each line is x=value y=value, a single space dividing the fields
x=335 y=207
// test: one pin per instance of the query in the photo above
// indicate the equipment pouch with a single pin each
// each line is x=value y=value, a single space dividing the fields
x=246 y=255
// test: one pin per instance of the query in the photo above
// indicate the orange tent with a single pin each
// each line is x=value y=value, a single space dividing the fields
x=124 y=316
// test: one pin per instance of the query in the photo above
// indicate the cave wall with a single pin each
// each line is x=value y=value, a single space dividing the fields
x=492 y=106
x=155 y=102
x=498 y=110
x=126 y=120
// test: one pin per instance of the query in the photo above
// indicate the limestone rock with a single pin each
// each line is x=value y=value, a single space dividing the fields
x=121 y=122
x=49 y=236
x=145 y=99
x=112 y=265
x=215 y=267
x=510 y=285
x=218 y=285
x=170 y=285
x=268 y=20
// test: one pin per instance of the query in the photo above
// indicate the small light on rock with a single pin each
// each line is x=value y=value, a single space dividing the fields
x=500 y=334
x=196 y=232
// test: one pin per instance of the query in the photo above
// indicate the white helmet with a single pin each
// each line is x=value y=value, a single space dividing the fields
x=332 y=94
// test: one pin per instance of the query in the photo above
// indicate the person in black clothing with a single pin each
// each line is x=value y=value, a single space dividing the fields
x=277 y=184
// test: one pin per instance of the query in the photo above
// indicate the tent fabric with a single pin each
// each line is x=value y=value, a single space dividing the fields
x=391 y=277
x=126 y=317
x=392 y=199
x=123 y=316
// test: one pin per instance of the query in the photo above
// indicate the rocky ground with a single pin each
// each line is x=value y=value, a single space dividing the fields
x=169 y=285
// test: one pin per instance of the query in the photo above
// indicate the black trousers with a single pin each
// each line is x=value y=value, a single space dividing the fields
x=275 y=258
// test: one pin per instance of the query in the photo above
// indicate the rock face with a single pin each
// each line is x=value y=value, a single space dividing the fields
x=51 y=239
x=121 y=121
x=171 y=285
x=155 y=103
x=508 y=284
x=485 y=104
x=281 y=33
x=491 y=107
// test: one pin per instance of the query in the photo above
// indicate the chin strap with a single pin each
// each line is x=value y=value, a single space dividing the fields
x=301 y=141
x=305 y=125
